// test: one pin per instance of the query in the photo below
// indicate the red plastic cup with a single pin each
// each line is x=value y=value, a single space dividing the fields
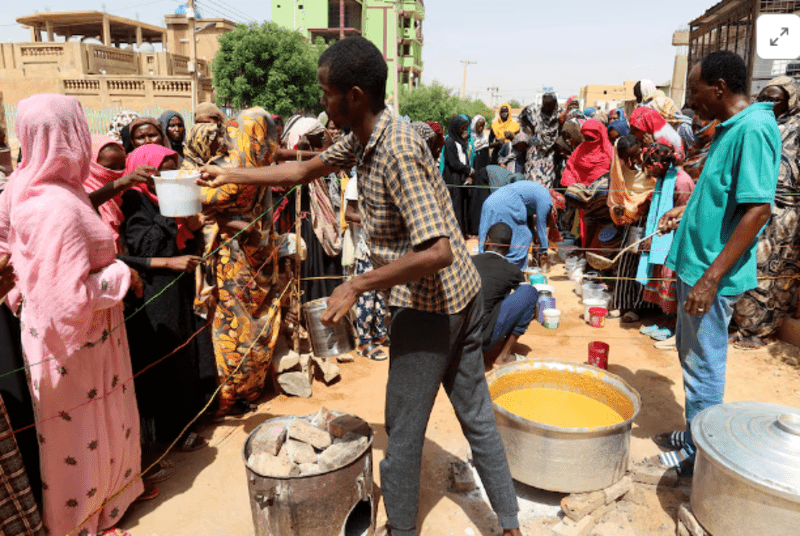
x=598 y=354
x=597 y=316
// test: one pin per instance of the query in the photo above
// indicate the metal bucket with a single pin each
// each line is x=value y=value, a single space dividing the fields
x=568 y=460
x=338 y=503
x=326 y=341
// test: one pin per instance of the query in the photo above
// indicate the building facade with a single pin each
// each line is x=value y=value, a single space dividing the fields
x=395 y=26
x=605 y=97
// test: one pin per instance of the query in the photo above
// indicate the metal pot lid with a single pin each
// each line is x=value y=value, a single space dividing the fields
x=756 y=440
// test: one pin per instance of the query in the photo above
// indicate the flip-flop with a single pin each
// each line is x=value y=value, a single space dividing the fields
x=164 y=472
x=680 y=460
x=649 y=330
x=662 y=334
x=748 y=344
x=666 y=344
x=191 y=443
x=149 y=493
x=372 y=351
x=674 y=440
x=115 y=532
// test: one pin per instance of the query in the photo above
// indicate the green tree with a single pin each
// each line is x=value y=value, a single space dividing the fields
x=438 y=103
x=514 y=103
x=267 y=66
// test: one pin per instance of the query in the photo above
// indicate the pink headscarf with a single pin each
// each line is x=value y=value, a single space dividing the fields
x=47 y=223
x=99 y=176
x=647 y=120
x=154 y=155
x=592 y=158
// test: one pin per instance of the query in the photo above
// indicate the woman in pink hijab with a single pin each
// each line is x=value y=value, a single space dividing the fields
x=73 y=335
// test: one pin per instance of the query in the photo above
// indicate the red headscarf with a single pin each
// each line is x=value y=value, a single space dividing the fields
x=592 y=158
x=100 y=176
x=154 y=155
x=647 y=120
x=436 y=127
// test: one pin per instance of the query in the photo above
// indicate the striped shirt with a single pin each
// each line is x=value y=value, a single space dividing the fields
x=404 y=203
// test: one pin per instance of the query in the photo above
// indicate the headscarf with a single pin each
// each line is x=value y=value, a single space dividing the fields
x=436 y=127
x=154 y=155
x=120 y=121
x=788 y=125
x=629 y=188
x=136 y=124
x=165 y=118
x=49 y=227
x=499 y=127
x=592 y=158
x=573 y=128
x=621 y=126
x=790 y=87
x=589 y=112
x=100 y=176
x=250 y=137
x=480 y=141
x=209 y=109
x=563 y=115
x=297 y=127
x=545 y=127
x=650 y=121
x=454 y=133
x=425 y=132
x=197 y=148
x=648 y=89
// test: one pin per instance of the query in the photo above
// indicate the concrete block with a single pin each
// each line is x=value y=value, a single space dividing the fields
x=295 y=384
x=329 y=371
x=568 y=527
x=286 y=361
x=309 y=469
x=322 y=419
x=615 y=491
x=602 y=511
x=267 y=465
x=579 y=505
x=269 y=439
x=654 y=476
x=344 y=424
x=341 y=454
x=300 y=452
x=461 y=477
x=635 y=496
x=686 y=517
x=306 y=432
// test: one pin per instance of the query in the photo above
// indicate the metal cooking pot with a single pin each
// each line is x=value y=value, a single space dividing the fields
x=569 y=460
x=747 y=469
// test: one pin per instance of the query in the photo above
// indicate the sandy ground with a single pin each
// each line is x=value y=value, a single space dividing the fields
x=208 y=495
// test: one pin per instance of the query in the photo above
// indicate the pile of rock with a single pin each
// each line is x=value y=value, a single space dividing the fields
x=308 y=445
x=294 y=372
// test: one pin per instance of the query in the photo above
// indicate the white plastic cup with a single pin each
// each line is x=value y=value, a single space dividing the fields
x=178 y=197
x=552 y=317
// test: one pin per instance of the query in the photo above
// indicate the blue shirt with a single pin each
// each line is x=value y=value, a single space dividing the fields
x=742 y=167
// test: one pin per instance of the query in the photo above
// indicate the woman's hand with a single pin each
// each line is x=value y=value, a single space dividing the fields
x=140 y=175
x=184 y=263
x=8 y=279
x=213 y=176
x=195 y=221
x=137 y=286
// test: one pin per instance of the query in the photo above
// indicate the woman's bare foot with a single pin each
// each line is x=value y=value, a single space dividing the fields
x=749 y=343
x=512 y=532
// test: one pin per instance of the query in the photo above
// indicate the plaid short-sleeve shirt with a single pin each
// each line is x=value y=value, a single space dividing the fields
x=404 y=203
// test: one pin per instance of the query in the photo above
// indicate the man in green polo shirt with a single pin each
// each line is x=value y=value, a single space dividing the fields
x=714 y=250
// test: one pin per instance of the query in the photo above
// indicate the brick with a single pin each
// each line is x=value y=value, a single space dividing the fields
x=330 y=371
x=686 y=517
x=617 y=490
x=344 y=424
x=579 y=505
x=267 y=465
x=295 y=384
x=654 y=476
x=269 y=439
x=309 y=469
x=300 y=452
x=635 y=496
x=286 y=361
x=341 y=454
x=306 y=432
x=322 y=418
x=568 y=527
x=462 y=477
x=602 y=511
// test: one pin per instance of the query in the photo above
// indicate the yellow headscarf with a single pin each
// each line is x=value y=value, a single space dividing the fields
x=499 y=127
x=629 y=188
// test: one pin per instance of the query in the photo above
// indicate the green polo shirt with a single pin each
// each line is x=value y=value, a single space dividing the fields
x=742 y=167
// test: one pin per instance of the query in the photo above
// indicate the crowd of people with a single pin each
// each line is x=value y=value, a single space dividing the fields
x=123 y=325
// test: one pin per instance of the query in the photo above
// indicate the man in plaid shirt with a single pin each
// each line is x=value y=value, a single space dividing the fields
x=417 y=250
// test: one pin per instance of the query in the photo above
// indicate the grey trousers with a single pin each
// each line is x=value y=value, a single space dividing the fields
x=428 y=350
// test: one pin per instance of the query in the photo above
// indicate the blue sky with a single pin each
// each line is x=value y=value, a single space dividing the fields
x=519 y=45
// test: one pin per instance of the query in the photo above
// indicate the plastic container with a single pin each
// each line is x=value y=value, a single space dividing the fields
x=598 y=354
x=546 y=288
x=589 y=304
x=552 y=317
x=538 y=279
x=565 y=249
x=597 y=316
x=579 y=285
x=546 y=301
x=178 y=197
x=593 y=291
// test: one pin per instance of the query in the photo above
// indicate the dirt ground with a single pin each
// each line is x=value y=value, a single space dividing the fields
x=208 y=495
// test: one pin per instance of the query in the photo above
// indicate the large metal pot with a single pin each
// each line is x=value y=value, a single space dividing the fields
x=747 y=469
x=336 y=503
x=568 y=460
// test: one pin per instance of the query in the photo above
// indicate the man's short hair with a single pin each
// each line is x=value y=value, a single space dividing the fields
x=499 y=236
x=356 y=61
x=728 y=66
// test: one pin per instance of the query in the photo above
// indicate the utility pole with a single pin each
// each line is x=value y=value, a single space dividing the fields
x=492 y=92
x=464 y=83
x=191 y=16
x=396 y=60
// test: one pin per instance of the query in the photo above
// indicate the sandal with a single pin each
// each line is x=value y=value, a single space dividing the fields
x=192 y=442
x=662 y=334
x=372 y=351
x=674 y=440
x=382 y=341
x=115 y=532
x=681 y=460
x=666 y=344
x=649 y=330
x=150 y=492
x=629 y=318
x=749 y=343
x=163 y=471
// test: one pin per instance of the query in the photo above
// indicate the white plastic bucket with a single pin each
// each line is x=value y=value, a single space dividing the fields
x=552 y=317
x=178 y=195
x=588 y=304
x=593 y=291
